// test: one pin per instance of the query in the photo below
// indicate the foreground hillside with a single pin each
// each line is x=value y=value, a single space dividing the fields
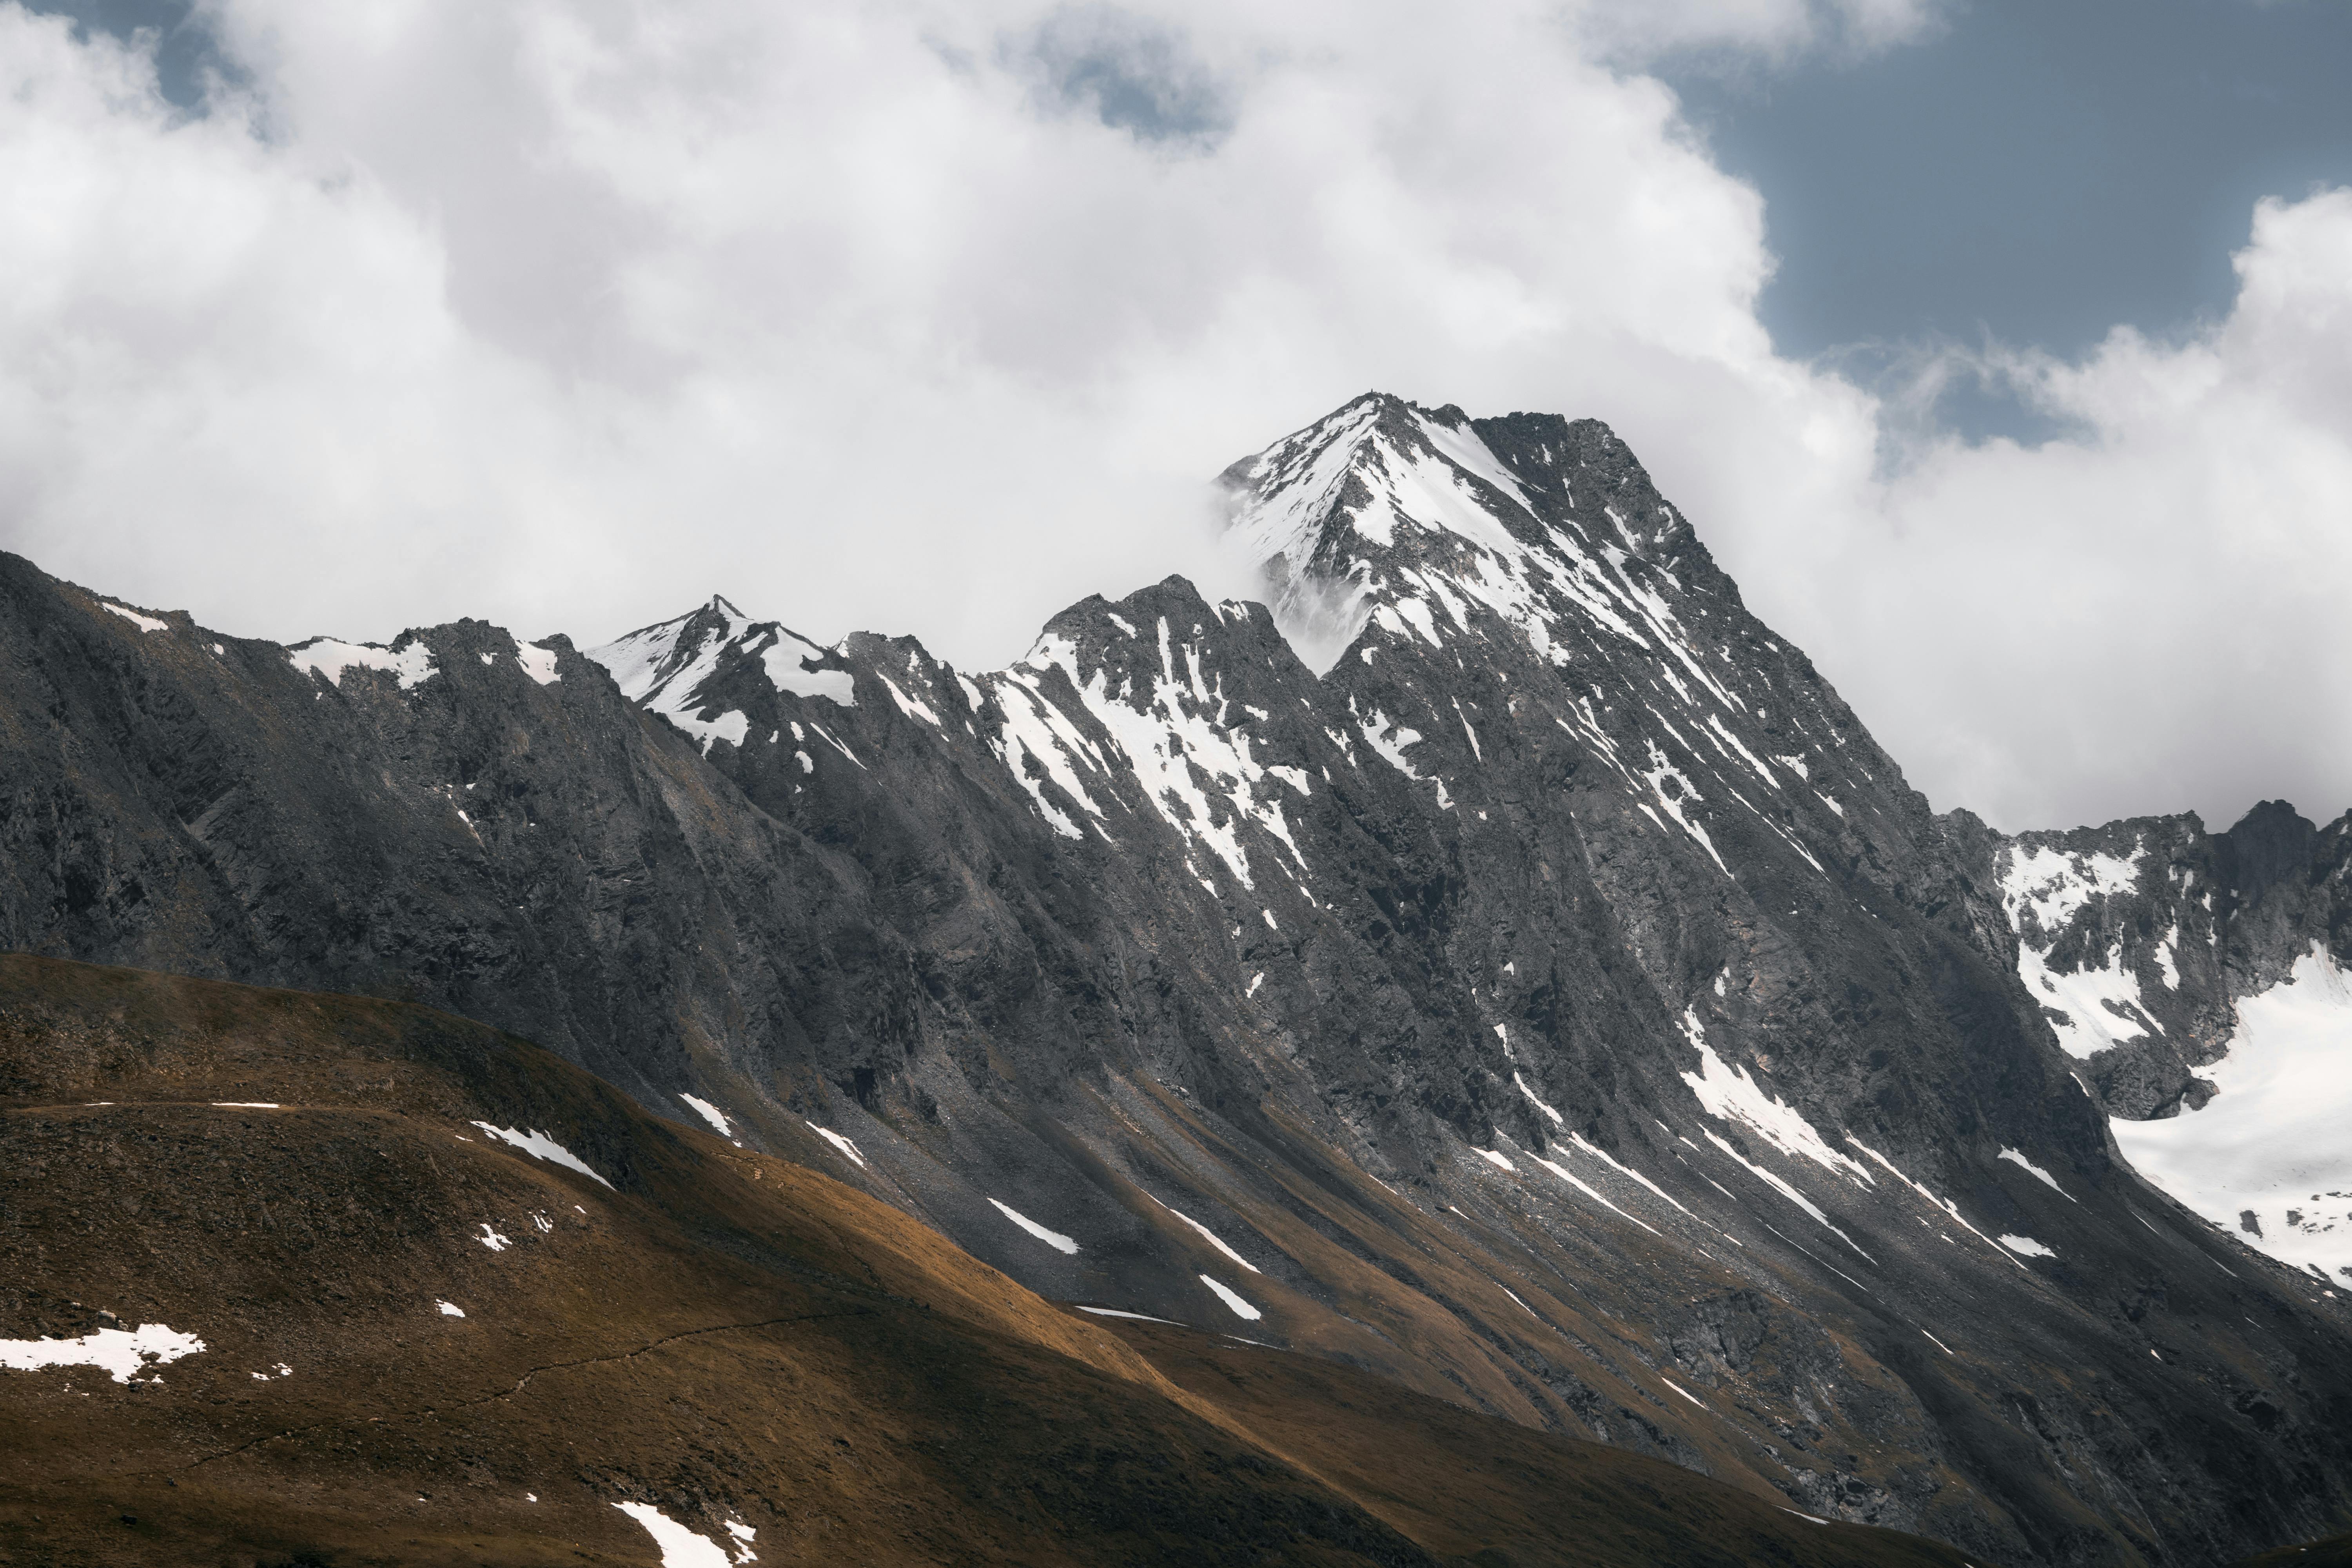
x=1500 y=963
x=280 y=1294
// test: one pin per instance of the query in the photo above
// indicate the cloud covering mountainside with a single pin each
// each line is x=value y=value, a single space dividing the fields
x=565 y=313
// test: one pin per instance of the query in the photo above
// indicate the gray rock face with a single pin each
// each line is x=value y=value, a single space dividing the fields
x=1550 y=996
x=2173 y=966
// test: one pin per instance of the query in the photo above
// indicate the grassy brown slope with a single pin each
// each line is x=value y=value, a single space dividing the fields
x=725 y=1335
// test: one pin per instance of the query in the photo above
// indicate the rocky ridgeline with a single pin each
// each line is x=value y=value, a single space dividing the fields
x=2173 y=963
x=1549 y=997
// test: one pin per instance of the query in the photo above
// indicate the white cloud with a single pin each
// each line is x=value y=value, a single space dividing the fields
x=568 y=315
x=2142 y=617
x=934 y=318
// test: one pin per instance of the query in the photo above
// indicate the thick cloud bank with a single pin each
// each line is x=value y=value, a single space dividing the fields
x=933 y=318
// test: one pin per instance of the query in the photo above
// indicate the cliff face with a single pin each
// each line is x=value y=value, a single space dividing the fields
x=1552 y=999
x=2194 y=980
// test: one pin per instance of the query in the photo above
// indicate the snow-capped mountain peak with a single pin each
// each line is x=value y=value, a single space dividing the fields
x=678 y=668
x=1391 y=534
x=1385 y=512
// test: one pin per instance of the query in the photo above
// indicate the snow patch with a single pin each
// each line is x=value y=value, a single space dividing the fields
x=913 y=707
x=680 y=1547
x=2096 y=1006
x=122 y=1353
x=450 y=1309
x=1558 y=1119
x=710 y=1113
x=412 y=663
x=1053 y=1238
x=1212 y=1237
x=1782 y=1187
x=848 y=1148
x=787 y=673
x=1232 y=1298
x=2053 y=886
x=540 y=1145
x=1589 y=1191
x=1661 y=769
x=1943 y=1206
x=2090 y=1010
x=537 y=662
x=2026 y=1246
x=2045 y=1177
x=1729 y=1094
x=144 y=623
x=1137 y=1317
x=1199 y=772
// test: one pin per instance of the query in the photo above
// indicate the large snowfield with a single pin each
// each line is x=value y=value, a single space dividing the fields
x=2270 y=1157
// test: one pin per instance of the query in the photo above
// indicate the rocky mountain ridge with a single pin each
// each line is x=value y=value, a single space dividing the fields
x=1557 y=1003
x=2172 y=964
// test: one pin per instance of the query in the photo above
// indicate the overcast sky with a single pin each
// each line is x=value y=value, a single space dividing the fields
x=2003 y=351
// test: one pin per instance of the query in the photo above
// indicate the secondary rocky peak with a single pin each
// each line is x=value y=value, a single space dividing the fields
x=690 y=669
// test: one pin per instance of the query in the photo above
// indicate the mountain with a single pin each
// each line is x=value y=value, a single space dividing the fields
x=385 y=1318
x=1499 y=964
x=2174 y=966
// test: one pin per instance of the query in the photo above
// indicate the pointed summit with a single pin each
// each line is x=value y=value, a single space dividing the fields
x=681 y=668
x=1387 y=511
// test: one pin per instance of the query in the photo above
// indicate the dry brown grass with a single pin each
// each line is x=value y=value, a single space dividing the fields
x=726 y=1335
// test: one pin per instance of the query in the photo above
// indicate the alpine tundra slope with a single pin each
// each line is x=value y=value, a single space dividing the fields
x=1498 y=963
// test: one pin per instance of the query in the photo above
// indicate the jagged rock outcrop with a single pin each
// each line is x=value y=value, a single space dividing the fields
x=2174 y=965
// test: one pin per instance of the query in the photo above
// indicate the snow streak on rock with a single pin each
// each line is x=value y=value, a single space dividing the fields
x=1729 y=1094
x=1174 y=733
x=1053 y=1238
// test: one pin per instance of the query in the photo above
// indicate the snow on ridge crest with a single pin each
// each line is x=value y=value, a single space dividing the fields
x=1173 y=735
x=1390 y=514
x=1374 y=466
x=408 y=659
x=2053 y=886
x=664 y=667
